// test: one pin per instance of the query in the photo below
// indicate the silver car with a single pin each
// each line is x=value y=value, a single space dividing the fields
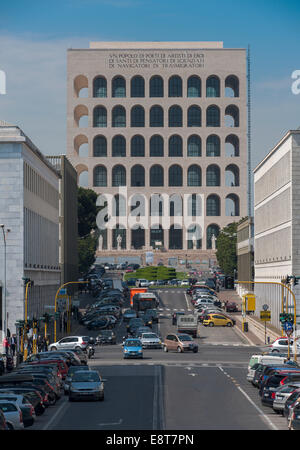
x=86 y=384
x=12 y=414
x=70 y=342
x=281 y=396
x=72 y=370
x=150 y=340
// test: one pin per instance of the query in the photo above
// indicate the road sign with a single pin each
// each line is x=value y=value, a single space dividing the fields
x=265 y=316
x=265 y=307
x=288 y=326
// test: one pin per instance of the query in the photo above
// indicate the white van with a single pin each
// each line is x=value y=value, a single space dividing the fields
x=263 y=359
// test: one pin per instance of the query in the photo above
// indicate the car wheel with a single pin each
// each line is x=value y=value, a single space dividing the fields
x=211 y=324
x=77 y=348
x=165 y=349
x=179 y=349
x=229 y=324
x=53 y=349
x=275 y=351
x=9 y=426
x=195 y=350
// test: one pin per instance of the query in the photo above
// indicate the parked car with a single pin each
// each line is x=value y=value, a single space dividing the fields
x=290 y=402
x=106 y=337
x=143 y=283
x=13 y=415
x=180 y=343
x=282 y=394
x=3 y=424
x=86 y=384
x=273 y=382
x=70 y=374
x=295 y=416
x=184 y=283
x=82 y=356
x=28 y=412
x=231 y=307
x=33 y=395
x=129 y=314
x=213 y=320
x=133 y=348
x=150 y=340
x=280 y=345
x=70 y=342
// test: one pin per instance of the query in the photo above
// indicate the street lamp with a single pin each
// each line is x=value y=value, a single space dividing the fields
x=5 y=232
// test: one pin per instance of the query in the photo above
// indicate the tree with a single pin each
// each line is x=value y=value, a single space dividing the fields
x=86 y=252
x=226 y=249
x=87 y=211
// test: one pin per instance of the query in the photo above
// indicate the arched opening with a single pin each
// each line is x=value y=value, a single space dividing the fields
x=119 y=237
x=194 y=205
x=156 y=176
x=175 y=205
x=118 y=176
x=232 y=116
x=118 y=87
x=156 y=205
x=175 y=146
x=194 y=86
x=232 y=86
x=232 y=146
x=212 y=233
x=213 y=116
x=194 y=176
x=82 y=175
x=81 y=116
x=232 y=205
x=119 y=206
x=213 y=177
x=156 y=116
x=194 y=116
x=175 y=116
x=99 y=146
x=156 y=86
x=81 y=85
x=232 y=175
x=137 y=86
x=100 y=117
x=137 y=116
x=118 y=117
x=137 y=205
x=156 y=146
x=100 y=87
x=194 y=240
x=81 y=145
x=137 y=176
x=213 y=206
x=175 y=237
x=99 y=176
x=213 y=146
x=213 y=86
x=137 y=146
x=156 y=236
x=119 y=146
x=137 y=237
x=175 y=86
x=194 y=146
x=175 y=176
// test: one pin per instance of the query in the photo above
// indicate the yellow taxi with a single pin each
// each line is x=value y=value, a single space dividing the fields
x=218 y=320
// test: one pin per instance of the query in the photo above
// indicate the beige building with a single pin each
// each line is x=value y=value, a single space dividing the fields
x=160 y=130
x=277 y=220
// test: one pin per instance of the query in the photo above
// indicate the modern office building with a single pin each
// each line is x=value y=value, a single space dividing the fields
x=245 y=255
x=29 y=202
x=159 y=129
x=68 y=221
x=277 y=220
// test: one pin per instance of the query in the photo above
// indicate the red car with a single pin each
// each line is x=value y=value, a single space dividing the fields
x=61 y=365
x=231 y=307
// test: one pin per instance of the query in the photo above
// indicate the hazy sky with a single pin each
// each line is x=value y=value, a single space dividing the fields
x=35 y=34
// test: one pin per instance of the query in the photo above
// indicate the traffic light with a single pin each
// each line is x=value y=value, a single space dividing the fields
x=56 y=315
x=28 y=280
x=286 y=317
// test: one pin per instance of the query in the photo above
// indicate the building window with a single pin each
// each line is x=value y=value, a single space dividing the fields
x=232 y=175
x=100 y=146
x=137 y=116
x=175 y=175
x=213 y=146
x=175 y=206
x=119 y=206
x=212 y=230
x=100 y=176
x=137 y=205
x=213 y=176
x=213 y=87
x=156 y=116
x=175 y=238
x=118 y=117
x=156 y=205
x=137 y=237
x=213 y=117
x=194 y=176
x=100 y=117
x=232 y=116
x=137 y=86
x=175 y=116
x=232 y=86
x=194 y=87
x=119 y=231
x=213 y=206
x=232 y=205
x=100 y=87
x=156 y=176
x=156 y=86
x=156 y=146
x=118 y=176
x=137 y=146
x=194 y=116
x=156 y=235
x=175 y=86
x=119 y=146
x=194 y=205
x=194 y=235
x=232 y=145
x=118 y=87
x=137 y=176
x=175 y=146
x=194 y=146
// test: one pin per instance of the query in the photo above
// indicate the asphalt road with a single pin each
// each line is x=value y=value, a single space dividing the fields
x=203 y=391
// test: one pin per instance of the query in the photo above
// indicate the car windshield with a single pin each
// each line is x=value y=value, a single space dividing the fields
x=132 y=343
x=150 y=336
x=185 y=338
x=85 y=377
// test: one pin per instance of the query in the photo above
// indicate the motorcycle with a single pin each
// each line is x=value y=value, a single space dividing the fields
x=90 y=348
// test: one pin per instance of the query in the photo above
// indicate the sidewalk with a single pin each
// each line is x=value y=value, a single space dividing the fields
x=256 y=328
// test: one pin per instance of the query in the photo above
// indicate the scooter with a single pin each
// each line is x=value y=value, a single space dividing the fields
x=90 y=351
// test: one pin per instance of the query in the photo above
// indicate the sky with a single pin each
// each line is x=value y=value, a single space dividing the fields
x=35 y=36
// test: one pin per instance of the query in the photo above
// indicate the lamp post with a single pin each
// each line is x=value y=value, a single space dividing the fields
x=5 y=232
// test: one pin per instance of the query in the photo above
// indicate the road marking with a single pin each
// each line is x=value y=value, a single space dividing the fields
x=261 y=413
x=187 y=302
x=110 y=424
x=63 y=405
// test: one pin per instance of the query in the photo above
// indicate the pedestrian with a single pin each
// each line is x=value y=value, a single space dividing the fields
x=5 y=344
x=39 y=343
x=174 y=319
x=13 y=342
x=29 y=345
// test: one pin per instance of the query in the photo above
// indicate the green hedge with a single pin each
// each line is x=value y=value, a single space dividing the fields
x=153 y=273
